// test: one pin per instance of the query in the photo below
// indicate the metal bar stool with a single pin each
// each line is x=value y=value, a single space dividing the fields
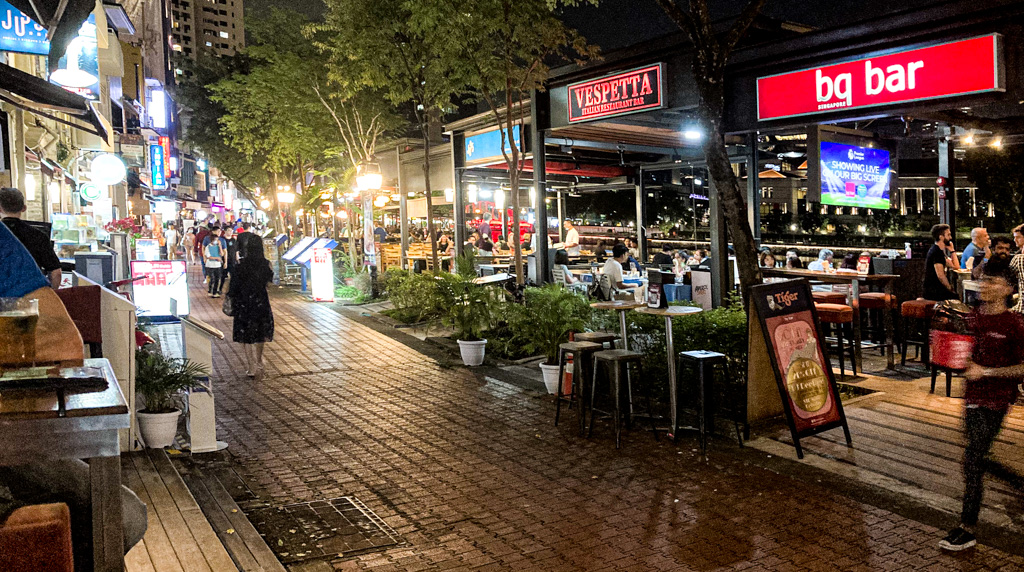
x=580 y=352
x=916 y=313
x=704 y=363
x=616 y=362
x=949 y=378
x=840 y=316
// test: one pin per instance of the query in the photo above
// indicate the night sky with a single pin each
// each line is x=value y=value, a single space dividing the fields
x=619 y=23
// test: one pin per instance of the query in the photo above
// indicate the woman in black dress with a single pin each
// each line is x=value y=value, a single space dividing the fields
x=254 y=321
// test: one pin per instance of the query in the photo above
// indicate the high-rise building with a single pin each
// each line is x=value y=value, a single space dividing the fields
x=212 y=27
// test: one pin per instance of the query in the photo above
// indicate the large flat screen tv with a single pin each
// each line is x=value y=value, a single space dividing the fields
x=854 y=176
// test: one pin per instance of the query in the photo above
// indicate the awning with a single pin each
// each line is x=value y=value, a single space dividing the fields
x=46 y=99
x=61 y=18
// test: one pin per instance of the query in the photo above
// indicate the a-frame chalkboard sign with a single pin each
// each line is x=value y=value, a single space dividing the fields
x=793 y=338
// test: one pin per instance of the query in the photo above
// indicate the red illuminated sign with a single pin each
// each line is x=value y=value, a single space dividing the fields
x=610 y=96
x=946 y=70
x=165 y=142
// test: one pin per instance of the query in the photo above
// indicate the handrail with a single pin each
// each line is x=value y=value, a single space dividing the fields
x=201 y=325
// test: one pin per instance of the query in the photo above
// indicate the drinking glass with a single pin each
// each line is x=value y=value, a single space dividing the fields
x=18 y=319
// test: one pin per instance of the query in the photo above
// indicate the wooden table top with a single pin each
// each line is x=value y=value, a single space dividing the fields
x=671 y=311
x=618 y=305
x=830 y=277
x=22 y=404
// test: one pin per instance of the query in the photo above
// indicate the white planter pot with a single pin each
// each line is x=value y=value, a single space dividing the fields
x=472 y=352
x=550 y=377
x=158 y=429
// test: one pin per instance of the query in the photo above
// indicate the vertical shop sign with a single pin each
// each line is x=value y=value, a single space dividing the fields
x=157 y=167
x=788 y=321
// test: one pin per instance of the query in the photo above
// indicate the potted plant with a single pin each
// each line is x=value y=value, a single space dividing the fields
x=467 y=312
x=550 y=314
x=158 y=379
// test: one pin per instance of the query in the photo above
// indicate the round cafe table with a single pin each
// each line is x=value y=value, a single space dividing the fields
x=622 y=306
x=669 y=313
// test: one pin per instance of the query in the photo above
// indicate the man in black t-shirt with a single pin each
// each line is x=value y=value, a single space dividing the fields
x=12 y=207
x=663 y=258
x=940 y=257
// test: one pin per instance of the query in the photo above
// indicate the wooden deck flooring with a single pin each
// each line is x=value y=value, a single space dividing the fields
x=909 y=441
x=179 y=538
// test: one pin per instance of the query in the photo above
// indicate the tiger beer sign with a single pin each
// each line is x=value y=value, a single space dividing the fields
x=623 y=93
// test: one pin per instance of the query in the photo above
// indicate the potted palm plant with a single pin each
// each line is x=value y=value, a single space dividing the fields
x=158 y=379
x=550 y=314
x=467 y=312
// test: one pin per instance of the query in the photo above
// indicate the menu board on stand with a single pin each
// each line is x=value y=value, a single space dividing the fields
x=164 y=290
x=784 y=332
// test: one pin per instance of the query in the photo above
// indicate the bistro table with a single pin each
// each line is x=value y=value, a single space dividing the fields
x=669 y=313
x=74 y=422
x=853 y=298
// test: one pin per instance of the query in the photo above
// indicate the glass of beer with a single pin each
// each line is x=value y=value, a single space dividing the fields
x=18 y=318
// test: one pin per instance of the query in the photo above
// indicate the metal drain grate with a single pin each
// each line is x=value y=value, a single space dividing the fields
x=332 y=528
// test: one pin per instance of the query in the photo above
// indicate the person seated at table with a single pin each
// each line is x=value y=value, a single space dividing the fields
x=613 y=267
x=679 y=263
x=57 y=341
x=823 y=263
x=562 y=263
x=977 y=251
x=766 y=259
x=793 y=261
x=849 y=262
x=699 y=256
x=524 y=241
x=940 y=258
x=12 y=208
x=663 y=258
x=485 y=246
x=601 y=251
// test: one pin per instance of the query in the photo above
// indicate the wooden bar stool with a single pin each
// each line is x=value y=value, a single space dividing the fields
x=597 y=338
x=828 y=297
x=616 y=363
x=581 y=353
x=917 y=313
x=840 y=316
x=875 y=303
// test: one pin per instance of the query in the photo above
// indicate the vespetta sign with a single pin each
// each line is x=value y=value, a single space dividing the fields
x=619 y=94
x=19 y=33
x=946 y=70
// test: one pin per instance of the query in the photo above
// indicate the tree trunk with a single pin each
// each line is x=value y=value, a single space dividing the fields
x=514 y=176
x=728 y=187
x=425 y=129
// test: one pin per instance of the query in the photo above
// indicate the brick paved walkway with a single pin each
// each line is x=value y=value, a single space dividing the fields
x=475 y=477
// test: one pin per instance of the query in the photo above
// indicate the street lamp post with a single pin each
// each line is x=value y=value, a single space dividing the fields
x=369 y=179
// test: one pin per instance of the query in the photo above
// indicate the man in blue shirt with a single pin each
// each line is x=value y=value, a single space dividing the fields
x=977 y=251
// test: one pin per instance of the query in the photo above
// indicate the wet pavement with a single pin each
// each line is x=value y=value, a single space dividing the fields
x=472 y=474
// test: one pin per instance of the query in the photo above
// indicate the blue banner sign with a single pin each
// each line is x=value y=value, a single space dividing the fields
x=486 y=147
x=19 y=33
x=157 y=167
